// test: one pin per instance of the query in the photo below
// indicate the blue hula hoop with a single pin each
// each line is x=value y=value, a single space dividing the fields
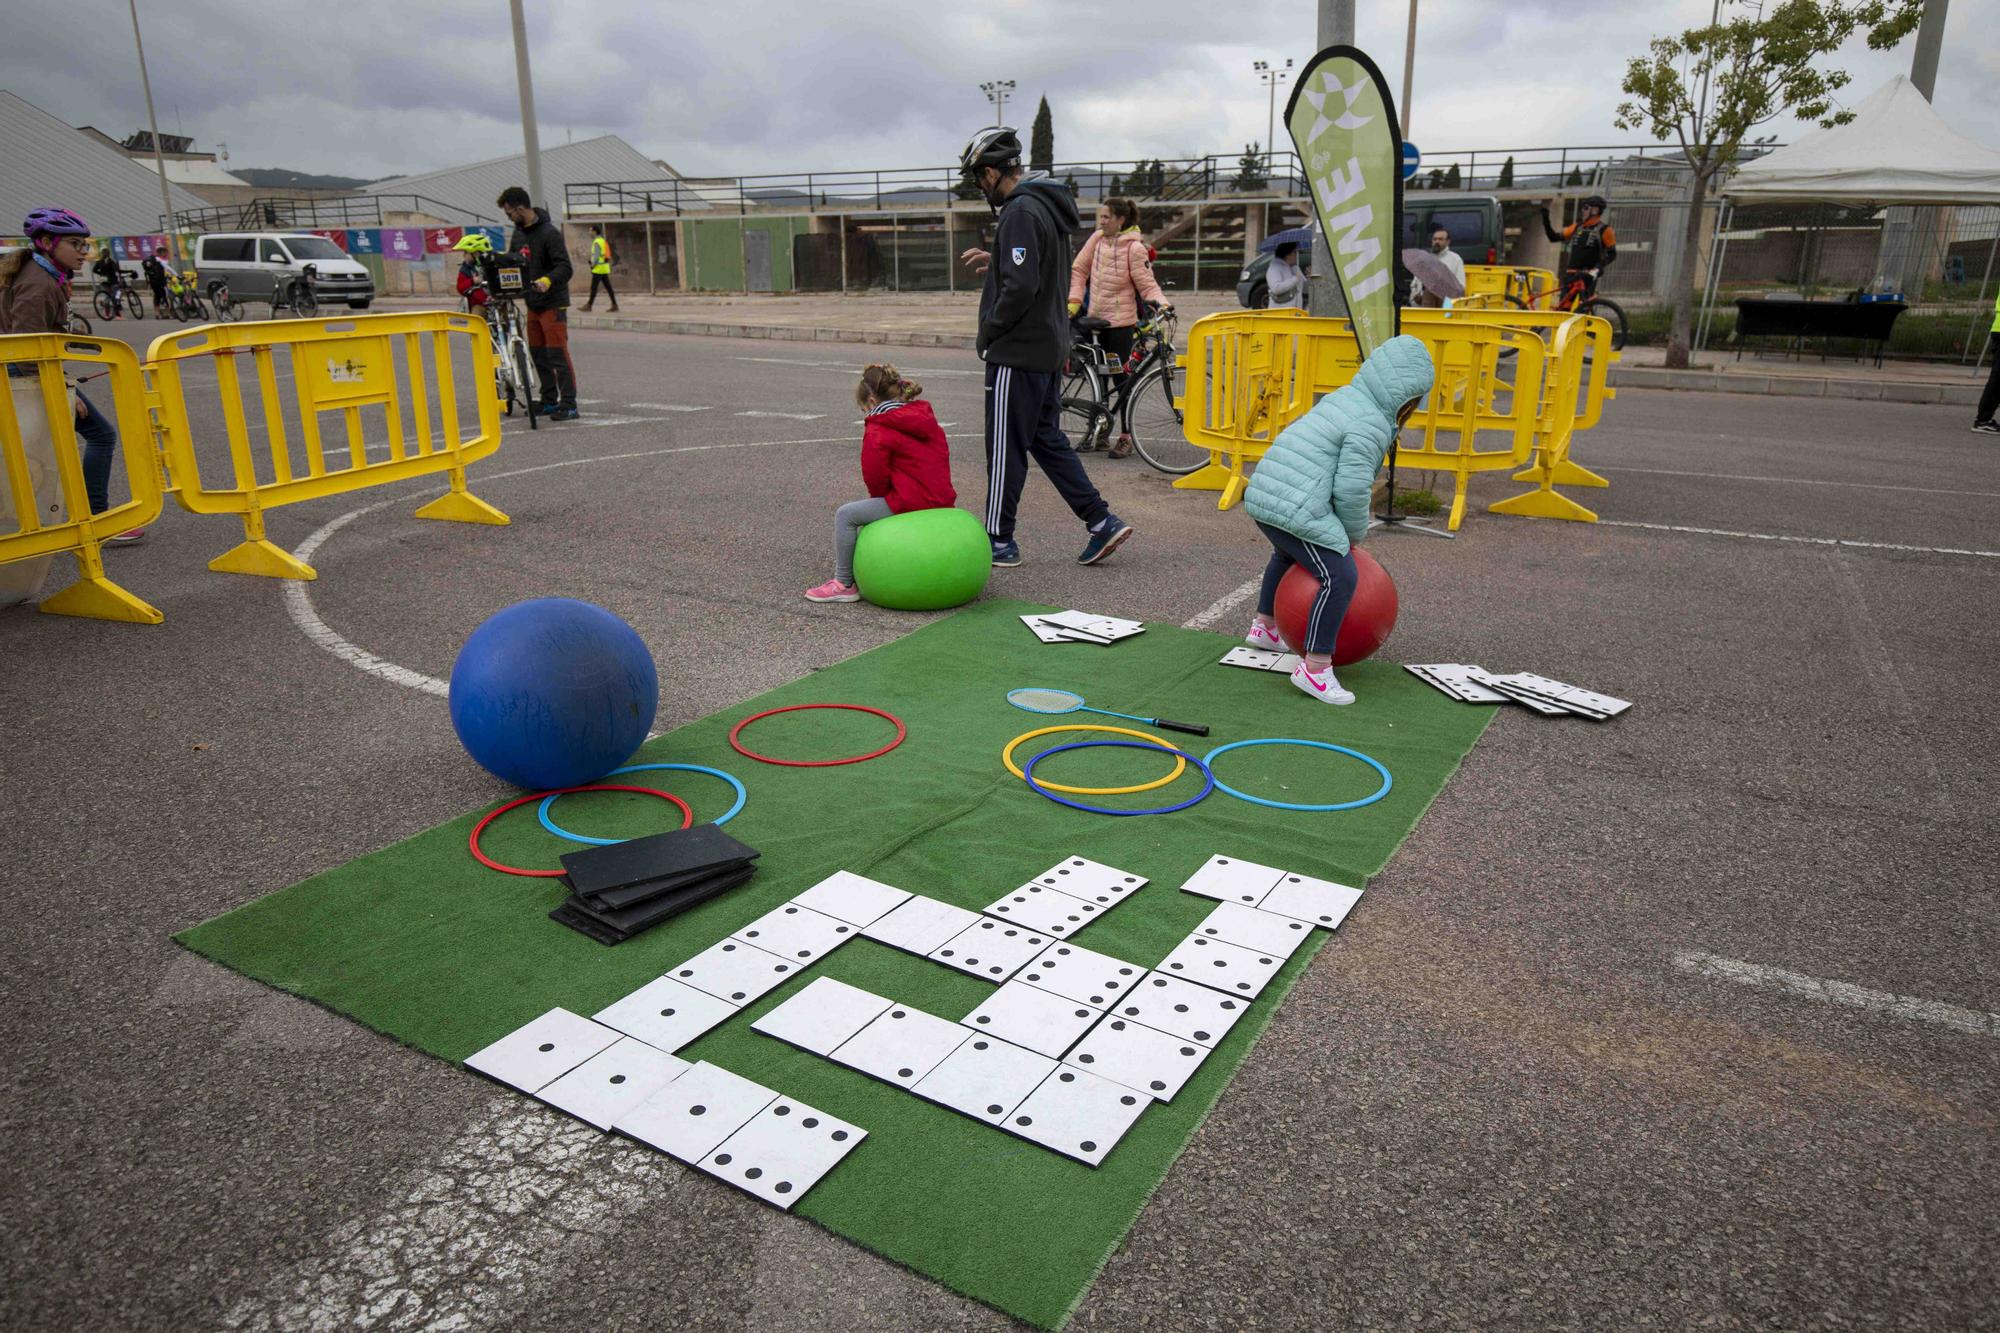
x=1387 y=781
x=1028 y=773
x=542 y=810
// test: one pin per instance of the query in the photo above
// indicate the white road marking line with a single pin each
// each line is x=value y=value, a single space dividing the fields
x=298 y=601
x=845 y=368
x=1764 y=977
x=789 y=416
x=469 y=1233
x=1940 y=491
x=670 y=407
x=1807 y=541
x=1223 y=605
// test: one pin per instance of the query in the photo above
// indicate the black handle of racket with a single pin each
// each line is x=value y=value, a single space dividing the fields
x=1191 y=728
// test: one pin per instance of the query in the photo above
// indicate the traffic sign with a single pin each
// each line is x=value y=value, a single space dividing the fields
x=1410 y=159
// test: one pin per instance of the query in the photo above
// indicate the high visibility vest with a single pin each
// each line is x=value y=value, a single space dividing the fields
x=1996 y=312
x=600 y=255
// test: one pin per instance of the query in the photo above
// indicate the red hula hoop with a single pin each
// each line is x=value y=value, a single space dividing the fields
x=737 y=745
x=687 y=821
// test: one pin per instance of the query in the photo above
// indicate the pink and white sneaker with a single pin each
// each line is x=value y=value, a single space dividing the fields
x=1321 y=685
x=1263 y=636
x=833 y=590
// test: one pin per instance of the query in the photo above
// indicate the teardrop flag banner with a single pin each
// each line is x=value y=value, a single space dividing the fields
x=1344 y=128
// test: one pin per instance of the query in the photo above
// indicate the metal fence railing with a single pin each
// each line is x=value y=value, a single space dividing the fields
x=330 y=212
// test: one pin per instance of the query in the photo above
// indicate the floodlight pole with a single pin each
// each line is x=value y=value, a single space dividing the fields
x=531 y=138
x=159 y=158
x=1336 y=27
x=1409 y=69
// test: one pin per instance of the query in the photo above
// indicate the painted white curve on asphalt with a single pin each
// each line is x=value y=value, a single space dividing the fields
x=1803 y=541
x=1889 y=1005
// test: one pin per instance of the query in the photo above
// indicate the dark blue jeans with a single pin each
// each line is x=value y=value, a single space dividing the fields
x=1336 y=575
x=100 y=443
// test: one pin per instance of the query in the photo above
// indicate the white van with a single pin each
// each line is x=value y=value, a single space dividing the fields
x=249 y=261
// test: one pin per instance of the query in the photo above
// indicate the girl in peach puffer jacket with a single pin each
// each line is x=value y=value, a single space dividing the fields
x=1115 y=266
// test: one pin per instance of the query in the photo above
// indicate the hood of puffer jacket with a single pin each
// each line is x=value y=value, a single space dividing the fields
x=913 y=420
x=1398 y=371
x=1052 y=192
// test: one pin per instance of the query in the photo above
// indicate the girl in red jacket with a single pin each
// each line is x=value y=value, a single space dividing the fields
x=905 y=463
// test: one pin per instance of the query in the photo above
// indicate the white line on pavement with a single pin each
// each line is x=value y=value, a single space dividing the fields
x=1942 y=492
x=1223 y=605
x=789 y=416
x=470 y=1231
x=671 y=407
x=845 y=368
x=1843 y=993
x=298 y=601
x=1807 y=541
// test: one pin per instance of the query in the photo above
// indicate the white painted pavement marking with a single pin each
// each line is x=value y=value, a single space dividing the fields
x=847 y=367
x=298 y=601
x=1940 y=491
x=671 y=407
x=470 y=1231
x=1806 y=541
x=1223 y=605
x=1764 y=977
x=789 y=416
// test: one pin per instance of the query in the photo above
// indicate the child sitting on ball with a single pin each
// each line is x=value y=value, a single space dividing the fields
x=905 y=464
x=1310 y=496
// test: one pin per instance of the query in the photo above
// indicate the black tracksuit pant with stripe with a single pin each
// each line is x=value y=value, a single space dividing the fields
x=1023 y=420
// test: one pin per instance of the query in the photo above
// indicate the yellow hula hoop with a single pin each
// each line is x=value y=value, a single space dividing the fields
x=1180 y=760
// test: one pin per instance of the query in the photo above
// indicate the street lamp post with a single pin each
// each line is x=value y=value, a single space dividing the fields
x=996 y=92
x=159 y=159
x=531 y=138
x=1271 y=76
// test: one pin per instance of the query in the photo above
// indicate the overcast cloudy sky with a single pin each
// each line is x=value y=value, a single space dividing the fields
x=371 y=88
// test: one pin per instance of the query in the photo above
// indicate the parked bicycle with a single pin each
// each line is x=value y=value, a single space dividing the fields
x=514 y=377
x=292 y=293
x=227 y=307
x=1524 y=292
x=1150 y=416
x=115 y=295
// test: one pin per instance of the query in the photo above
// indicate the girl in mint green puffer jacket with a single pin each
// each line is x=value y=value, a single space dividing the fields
x=1310 y=496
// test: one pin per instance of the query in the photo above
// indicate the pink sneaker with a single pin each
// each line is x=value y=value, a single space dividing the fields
x=1263 y=636
x=833 y=590
x=126 y=538
x=1320 y=685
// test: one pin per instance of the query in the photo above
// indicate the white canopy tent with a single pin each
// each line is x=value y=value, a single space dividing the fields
x=1896 y=151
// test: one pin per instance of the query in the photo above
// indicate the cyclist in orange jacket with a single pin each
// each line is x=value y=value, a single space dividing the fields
x=1591 y=244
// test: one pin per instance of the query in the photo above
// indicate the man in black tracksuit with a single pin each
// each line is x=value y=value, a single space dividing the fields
x=540 y=241
x=1024 y=338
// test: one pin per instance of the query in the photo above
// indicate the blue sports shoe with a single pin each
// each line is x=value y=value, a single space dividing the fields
x=1005 y=554
x=1105 y=540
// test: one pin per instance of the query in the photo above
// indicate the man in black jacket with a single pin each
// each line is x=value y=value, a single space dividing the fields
x=1024 y=338
x=540 y=242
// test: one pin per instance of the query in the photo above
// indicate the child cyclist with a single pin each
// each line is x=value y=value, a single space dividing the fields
x=905 y=464
x=34 y=298
x=1310 y=496
x=475 y=279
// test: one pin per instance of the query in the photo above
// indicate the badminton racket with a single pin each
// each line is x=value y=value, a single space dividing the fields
x=1036 y=699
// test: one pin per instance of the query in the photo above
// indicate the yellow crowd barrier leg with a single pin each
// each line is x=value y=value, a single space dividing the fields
x=1210 y=476
x=1543 y=502
x=1458 y=504
x=458 y=505
x=261 y=557
x=1565 y=473
x=95 y=597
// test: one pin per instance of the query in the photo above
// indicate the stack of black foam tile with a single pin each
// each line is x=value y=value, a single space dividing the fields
x=618 y=891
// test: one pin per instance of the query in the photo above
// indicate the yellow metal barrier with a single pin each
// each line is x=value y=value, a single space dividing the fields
x=38 y=454
x=1497 y=286
x=1505 y=390
x=346 y=365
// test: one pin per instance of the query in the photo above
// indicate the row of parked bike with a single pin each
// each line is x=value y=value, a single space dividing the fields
x=187 y=299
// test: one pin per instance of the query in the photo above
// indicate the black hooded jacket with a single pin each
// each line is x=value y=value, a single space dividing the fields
x=548 y=258
x=1023 y=319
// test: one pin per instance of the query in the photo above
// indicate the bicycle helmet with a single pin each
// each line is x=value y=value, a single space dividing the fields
x=996 y=146
x=476 y=242
x=53 y=222
x=1596 y=201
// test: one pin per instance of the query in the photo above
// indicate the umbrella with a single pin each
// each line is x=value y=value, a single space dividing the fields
x=1291 y=235
x=1429 y=270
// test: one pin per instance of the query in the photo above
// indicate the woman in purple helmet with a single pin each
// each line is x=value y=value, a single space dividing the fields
x=34 y=298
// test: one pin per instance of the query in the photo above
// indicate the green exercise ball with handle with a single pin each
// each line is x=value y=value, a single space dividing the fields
x=925 y=560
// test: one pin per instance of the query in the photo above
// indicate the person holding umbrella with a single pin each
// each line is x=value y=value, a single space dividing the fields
x=1284 y=279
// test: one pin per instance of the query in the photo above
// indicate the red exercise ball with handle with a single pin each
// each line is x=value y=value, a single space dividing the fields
x=1371 y=615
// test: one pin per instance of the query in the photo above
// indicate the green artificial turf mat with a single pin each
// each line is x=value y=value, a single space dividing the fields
x=419 y=942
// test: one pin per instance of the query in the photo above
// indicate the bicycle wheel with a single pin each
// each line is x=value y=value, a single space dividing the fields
x=524 y=373
x=1155 y=422
x=133 y=305
x=1083 y=405
x=1609 y=310
x=105 y=303
x=77 y=323
x=307 y=303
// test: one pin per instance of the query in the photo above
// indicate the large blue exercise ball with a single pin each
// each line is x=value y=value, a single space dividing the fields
x=552 y=693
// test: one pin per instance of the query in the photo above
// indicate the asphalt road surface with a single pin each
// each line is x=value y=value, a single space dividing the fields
x=1682 y=1020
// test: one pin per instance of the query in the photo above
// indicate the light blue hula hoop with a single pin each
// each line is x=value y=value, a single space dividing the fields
x=542 y=810
x=1220 y=785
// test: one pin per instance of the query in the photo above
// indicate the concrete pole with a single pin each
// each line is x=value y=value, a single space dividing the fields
x=1409 y=68
x=159 y=158
x=531 y=139
x=1913 y=238
x=1930 y=39
x=1336 y=25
